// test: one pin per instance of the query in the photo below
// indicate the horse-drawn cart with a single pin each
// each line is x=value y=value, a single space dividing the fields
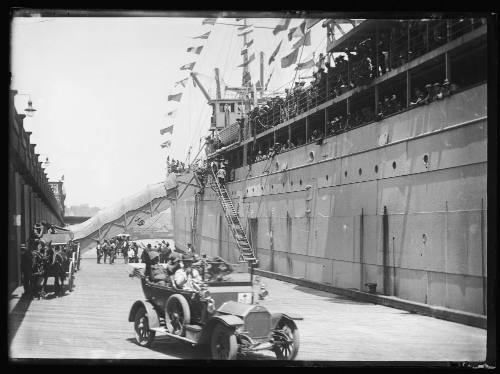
x=222 y=316
x=64 y=258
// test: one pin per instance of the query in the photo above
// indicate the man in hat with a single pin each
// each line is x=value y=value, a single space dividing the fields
x=428 y=94
x=27 y=270
x=99 y=252
x=221 y=175
x=419 y=97
x=112 y=252
x=173 y=263
x=105 y=249
x=155 y=271
x=189 y=249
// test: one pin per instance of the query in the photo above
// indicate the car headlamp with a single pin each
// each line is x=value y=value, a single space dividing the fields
x=210 y=305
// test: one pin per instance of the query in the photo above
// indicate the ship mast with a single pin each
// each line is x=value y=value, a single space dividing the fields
x=245 y=59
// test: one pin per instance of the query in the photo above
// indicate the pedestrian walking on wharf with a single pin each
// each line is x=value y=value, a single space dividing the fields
x=105 y=250
x=112 y=253
x=125 y=248
x=27 y=270
x=99 y=252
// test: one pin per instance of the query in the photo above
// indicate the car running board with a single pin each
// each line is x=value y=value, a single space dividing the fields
x=163 y=330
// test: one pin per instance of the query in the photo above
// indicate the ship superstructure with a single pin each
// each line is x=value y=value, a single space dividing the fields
x=376 y=174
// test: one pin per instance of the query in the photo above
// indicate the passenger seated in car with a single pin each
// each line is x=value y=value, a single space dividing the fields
x=187 y=278
x=173 y=263
x=157 y=273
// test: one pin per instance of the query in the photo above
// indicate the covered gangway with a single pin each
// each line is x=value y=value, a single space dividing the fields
x=125 y=215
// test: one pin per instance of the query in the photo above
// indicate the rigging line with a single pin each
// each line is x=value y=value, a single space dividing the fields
x=233 y=24
x=199 y=124
x=227 y=56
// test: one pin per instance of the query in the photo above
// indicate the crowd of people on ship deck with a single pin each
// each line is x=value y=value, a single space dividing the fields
x=175 y=166
x=360 y=63
x=390 y=104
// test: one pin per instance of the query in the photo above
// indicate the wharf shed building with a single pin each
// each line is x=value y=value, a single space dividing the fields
x=31 y=198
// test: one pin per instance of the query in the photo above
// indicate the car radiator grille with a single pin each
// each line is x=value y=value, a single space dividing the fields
x=258 y=324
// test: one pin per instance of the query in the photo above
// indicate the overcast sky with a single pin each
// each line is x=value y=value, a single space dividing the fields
x=100 y=87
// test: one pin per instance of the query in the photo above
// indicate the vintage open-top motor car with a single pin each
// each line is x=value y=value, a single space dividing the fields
x=222 y=316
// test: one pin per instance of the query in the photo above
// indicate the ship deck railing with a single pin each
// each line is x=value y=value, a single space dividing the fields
x=270 y=122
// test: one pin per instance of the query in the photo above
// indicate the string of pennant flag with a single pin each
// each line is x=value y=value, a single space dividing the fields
x=183 y=82
x=301 y=33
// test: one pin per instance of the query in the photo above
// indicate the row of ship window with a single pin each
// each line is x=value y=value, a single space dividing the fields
x=360 y=172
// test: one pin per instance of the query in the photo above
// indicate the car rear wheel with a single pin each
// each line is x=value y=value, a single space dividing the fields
x=143 y=335
x=223 y=343
x=288 y=341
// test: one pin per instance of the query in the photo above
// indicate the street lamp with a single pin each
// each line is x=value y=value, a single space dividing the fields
x=30 y=111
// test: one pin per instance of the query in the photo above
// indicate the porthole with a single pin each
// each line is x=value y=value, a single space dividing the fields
x=345 y=173
x=394 y=165
x=426 y=159
x=327 y=177
x=360 y=171
x=376 y=168
x=311 y=156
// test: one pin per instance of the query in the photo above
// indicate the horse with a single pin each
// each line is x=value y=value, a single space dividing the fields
x=54 y=266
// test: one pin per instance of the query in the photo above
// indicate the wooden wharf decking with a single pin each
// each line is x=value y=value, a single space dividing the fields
x=92 y=323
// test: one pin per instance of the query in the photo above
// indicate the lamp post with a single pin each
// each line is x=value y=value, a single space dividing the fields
x=30 y=111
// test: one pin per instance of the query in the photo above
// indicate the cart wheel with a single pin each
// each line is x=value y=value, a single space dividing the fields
x=177 y=313
x=70 y=277
x=288 y=341
x=223 y=343
x=143 y=335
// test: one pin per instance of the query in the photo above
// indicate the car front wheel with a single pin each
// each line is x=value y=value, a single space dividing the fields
x=287 y=341
x=223 y=343
x=143 y=335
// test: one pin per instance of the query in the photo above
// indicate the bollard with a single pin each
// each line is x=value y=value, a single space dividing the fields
x=372 y=287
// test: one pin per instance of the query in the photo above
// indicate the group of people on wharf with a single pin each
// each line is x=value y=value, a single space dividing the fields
x=128 y=249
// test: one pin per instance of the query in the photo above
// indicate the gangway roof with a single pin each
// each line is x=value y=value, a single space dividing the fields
x=116 y=210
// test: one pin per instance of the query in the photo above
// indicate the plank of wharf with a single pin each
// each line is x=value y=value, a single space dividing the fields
x=92 y=323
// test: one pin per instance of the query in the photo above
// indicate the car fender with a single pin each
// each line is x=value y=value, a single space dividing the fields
x=153 y=319
x=228 y=320
x=276 y=317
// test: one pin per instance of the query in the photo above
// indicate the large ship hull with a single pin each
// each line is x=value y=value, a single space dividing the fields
x=400 y=203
